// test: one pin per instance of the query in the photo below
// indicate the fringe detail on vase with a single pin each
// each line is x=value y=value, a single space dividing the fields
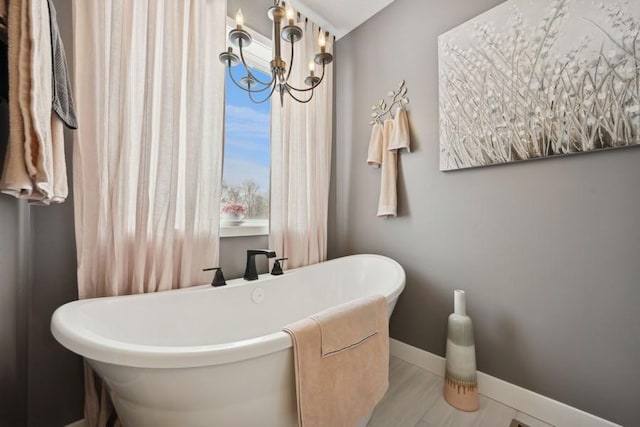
x=465 y=386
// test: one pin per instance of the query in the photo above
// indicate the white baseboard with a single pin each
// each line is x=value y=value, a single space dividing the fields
x=79 y=423
x=534 y=404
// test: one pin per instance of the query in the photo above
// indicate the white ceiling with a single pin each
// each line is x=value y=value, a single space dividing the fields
x=339 y=17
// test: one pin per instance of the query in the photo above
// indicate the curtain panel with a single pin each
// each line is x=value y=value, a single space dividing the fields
x=301 y=138
x=148 y=153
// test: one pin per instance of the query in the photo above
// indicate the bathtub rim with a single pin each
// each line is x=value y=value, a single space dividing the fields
x=91 y=345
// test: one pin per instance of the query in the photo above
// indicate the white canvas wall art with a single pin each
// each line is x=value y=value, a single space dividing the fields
x=533 y=79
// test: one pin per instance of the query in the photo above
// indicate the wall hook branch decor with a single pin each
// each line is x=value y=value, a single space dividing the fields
x=382 y=109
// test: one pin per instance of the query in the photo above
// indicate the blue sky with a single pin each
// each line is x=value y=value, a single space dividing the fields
x=246 y=152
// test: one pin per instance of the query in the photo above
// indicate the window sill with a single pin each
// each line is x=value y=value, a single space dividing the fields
x=250 y=227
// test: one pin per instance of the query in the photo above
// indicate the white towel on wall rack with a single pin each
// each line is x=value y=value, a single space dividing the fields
x=388 y=200
x=389 y=136
x=400 y=134
x=374 y=158
x=385 y=142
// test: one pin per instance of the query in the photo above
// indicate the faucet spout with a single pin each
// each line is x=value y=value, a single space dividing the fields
x=250 y=272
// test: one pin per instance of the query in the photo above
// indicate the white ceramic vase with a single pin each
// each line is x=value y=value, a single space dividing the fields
x=461 y=381
x=229 y=217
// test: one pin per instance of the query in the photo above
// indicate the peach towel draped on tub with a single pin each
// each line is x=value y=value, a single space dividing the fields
x=385 y=142
x=341 y=358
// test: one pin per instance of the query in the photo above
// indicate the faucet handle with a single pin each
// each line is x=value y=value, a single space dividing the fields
x=277 y=268
x=218 y=279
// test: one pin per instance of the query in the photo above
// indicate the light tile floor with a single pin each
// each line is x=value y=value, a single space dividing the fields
x=414 y=399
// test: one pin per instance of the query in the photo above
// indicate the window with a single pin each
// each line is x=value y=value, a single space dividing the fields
x=245 y=174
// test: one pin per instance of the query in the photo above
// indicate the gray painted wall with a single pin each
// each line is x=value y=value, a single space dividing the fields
x=41 y=383
x=547 y=250
x=12 y=324
x=55 y=378
x=233 y=254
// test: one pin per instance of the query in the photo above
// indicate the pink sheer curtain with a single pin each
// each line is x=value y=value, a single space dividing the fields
x=301 y=161
x=148 y=153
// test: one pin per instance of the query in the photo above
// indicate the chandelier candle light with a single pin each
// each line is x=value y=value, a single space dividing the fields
x=280 y=71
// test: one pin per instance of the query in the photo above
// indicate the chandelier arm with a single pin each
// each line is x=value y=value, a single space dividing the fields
x=249 y=69
x=290 y=62
x=295 y=97
x=264 y=100
x=239 y=85
x=311 y=87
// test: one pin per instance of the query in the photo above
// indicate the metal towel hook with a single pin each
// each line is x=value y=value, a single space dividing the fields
x=398 y=96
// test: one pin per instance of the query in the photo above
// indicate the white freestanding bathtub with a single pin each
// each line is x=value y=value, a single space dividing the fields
x=205 y=356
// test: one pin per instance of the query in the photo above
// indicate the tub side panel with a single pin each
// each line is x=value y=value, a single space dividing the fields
x=259 y=391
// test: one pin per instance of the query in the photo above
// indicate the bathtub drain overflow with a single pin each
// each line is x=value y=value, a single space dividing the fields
x=257 y=295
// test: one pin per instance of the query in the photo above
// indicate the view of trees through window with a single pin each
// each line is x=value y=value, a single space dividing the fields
x=248 y=194
x=246 y=153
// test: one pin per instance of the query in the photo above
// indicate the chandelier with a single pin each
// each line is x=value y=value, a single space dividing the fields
x=260 y=91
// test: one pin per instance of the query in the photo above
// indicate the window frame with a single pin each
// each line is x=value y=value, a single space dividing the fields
x=258 y=55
